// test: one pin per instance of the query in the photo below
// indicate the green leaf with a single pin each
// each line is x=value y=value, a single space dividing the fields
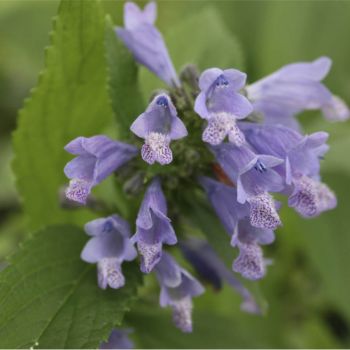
x=49 y=296
x=190 y=42
x=124 y=90
x=70 y=100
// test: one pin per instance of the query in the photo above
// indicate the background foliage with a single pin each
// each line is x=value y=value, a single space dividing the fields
x=308 y=286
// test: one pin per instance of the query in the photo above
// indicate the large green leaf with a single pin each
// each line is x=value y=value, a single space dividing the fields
x=124 y=90
x=50 y=297
x=70 y=100
x=190 y=42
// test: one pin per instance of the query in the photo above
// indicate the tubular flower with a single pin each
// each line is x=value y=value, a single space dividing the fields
x=177 y=289
x=236 y=218
x=255 y=178
x=158 y=125
x=220 y=103
x=97 y=158
x=109 y=246
x=153 y=227
x=250 y=262
x=146 y=43
x=301 y=168
x=294 y=88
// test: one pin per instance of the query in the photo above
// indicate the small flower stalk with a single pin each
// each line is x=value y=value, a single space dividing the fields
x=233 y=160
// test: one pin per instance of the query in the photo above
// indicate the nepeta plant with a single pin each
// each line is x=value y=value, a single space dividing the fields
x=135 y=232
x=249 y=147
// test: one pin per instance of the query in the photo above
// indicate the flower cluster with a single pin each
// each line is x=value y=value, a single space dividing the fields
x=237 y=160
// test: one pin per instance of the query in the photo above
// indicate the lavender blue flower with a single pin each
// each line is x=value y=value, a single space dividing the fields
x=301 y=168
x=158 y=125
x=153 y=227
x=336 y=109
x=146 y=43
x=97 y=158
x=119 y=339
x=294 y=88
x=109 y=246
x=211 y=268
x=177 y=289
x=250 y=262
x=311 y=197
x=220 y=103
x=223 y=199
x=238 y=222
x=254 y=177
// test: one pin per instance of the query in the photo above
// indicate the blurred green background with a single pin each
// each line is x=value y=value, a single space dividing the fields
x=308 y=287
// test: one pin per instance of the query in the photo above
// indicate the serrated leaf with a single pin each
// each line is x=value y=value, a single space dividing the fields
x=50 y=297
x=126 y=98
x=70 y=100
x=190 y=42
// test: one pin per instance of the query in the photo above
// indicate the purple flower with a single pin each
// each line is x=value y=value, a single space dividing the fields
x=221 y=105
x=153 y=227
x=119 y=339
x=254 y=178
x=336 y=109
x=109 y=246
x=301 y=168
x=158 y=125
x=210 y=267
x=239 y=223
x=311 y=197
x=97 y=158
x=250 y=262
x=294 y=88
x=146 y=43
x=177 y=289
x=223 y=199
